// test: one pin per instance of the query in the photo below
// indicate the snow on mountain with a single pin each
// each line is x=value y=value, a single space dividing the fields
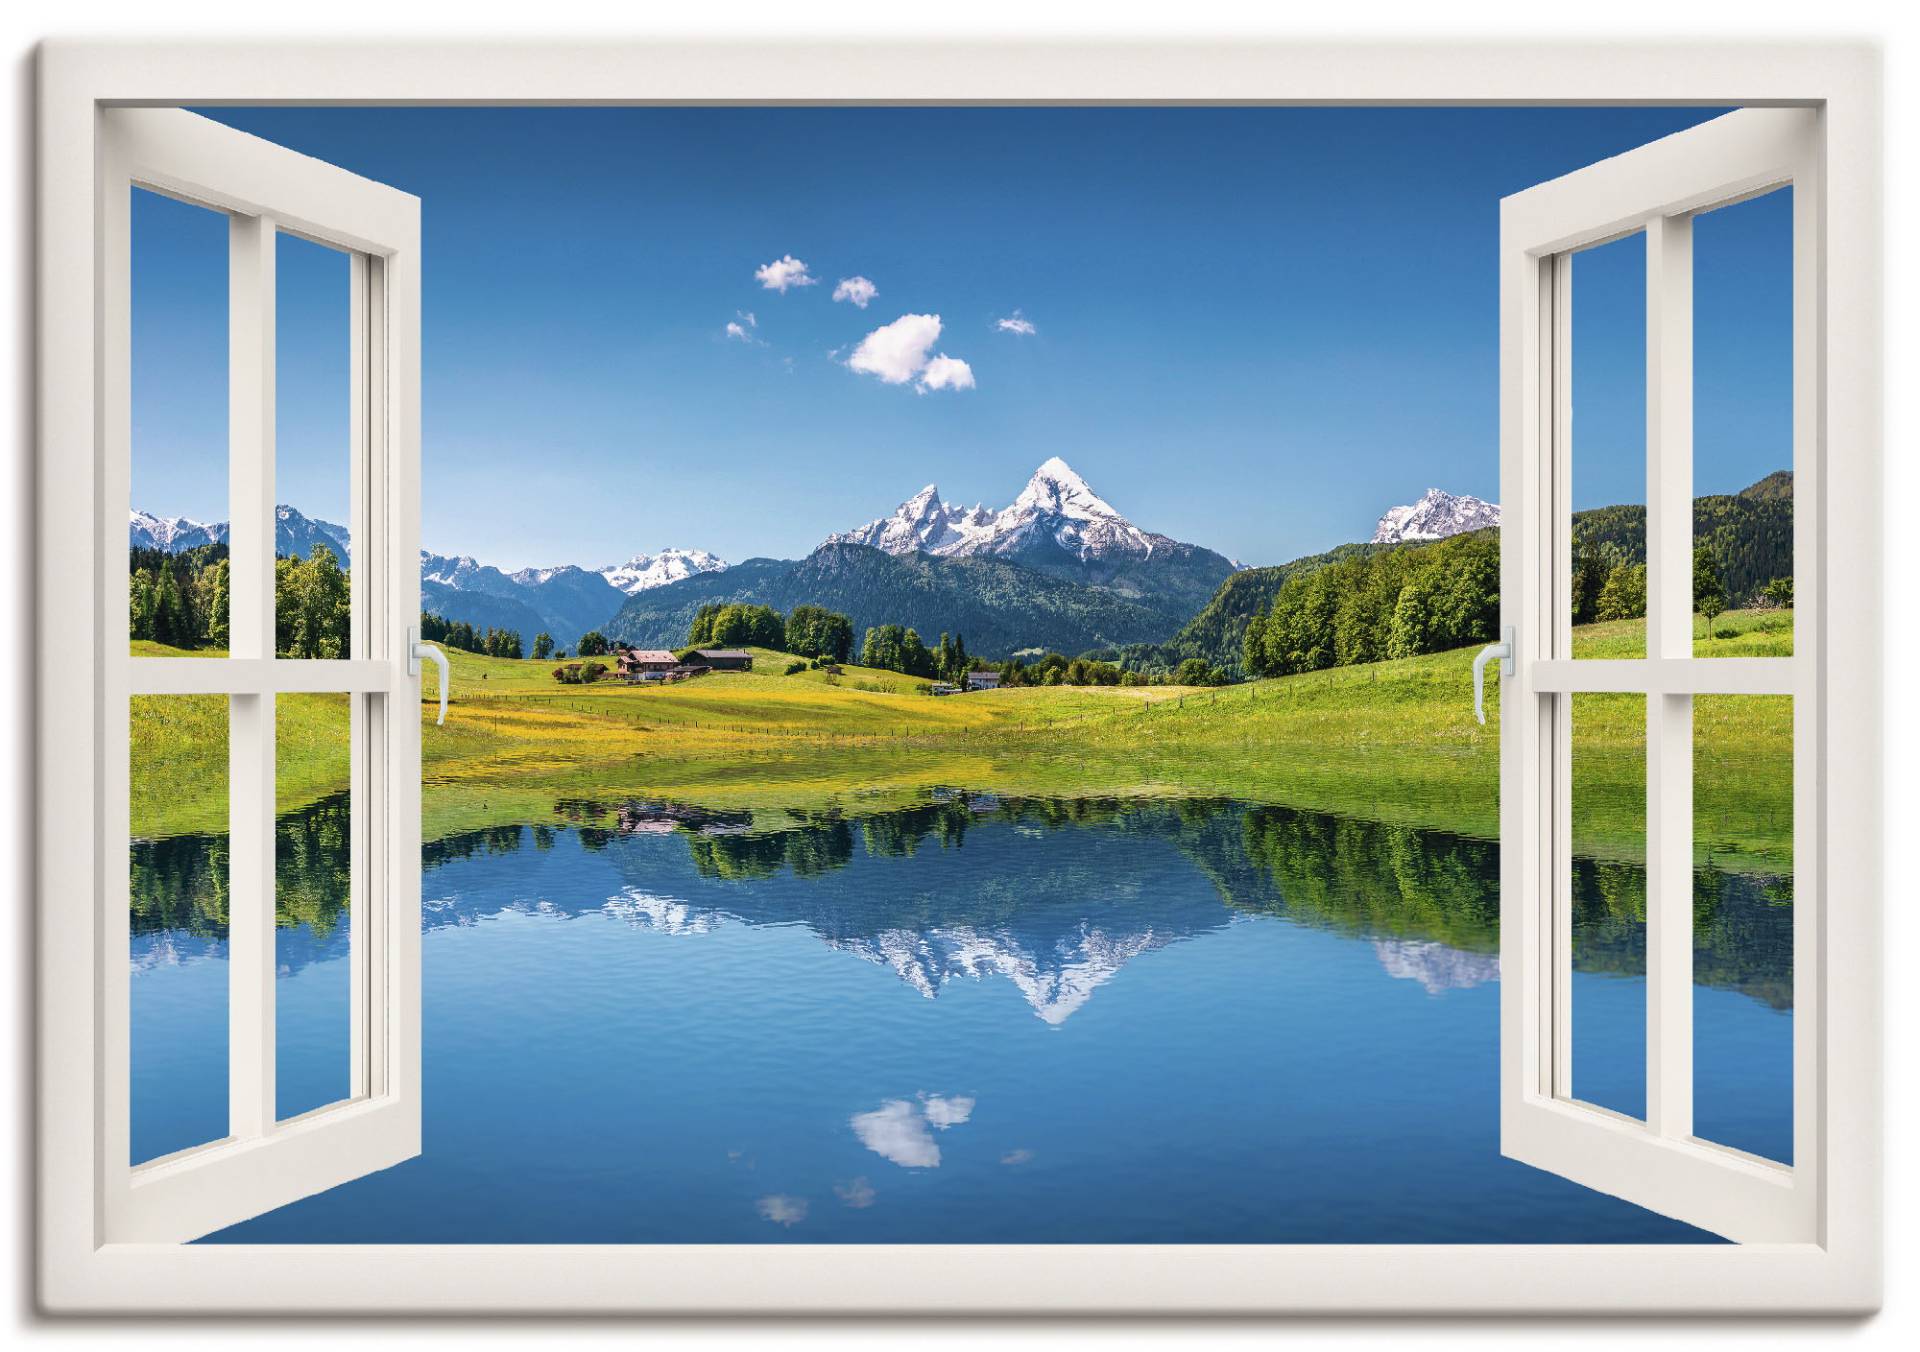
x=922 y=523
x=294 y=534
x=643 y=572
x=1436 y=516
x=172 y=533
x=1055 y=509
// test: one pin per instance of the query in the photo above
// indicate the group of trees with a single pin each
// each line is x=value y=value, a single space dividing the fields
x=731 y=624
x=815 y=631
x=1395 y=603
x=179 y=599
x=890 y=647
x=809 y=630
x=1059 y=669
x=183 y=600
x=1609 y=586
x=489 y=642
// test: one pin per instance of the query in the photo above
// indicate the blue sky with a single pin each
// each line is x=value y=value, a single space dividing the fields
x=1252 y=328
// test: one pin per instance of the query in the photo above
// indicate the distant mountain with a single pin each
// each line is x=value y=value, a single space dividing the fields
x=643 y=571
x=1059 y=526
x=565 y=602
x=174 y=534
x=1434 y=517
x=294 y=534
x=1000 y=607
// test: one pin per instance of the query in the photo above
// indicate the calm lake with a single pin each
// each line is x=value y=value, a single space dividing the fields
x=973 y=1020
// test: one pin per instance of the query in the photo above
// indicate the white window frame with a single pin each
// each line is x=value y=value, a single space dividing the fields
x=1656 y=189
x=263 y=191
x=1838 y=1270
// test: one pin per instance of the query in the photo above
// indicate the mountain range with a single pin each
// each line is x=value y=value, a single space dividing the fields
x=1059 y=526
x=565 y=601
x=1058 y=568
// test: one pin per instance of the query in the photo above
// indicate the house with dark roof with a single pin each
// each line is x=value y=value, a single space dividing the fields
x=637 y=662
x=723 y=659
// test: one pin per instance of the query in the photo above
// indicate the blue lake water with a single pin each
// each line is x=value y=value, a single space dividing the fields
x=971 y=1021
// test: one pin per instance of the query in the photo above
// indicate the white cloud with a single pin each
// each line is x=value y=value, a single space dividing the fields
x=782 y=273
x=741 y=328
x=856 y=1193
x=856 y=289
x=783 y=1210
x=1016 y=323
x=895 y=352
x=1020 y=1156
x=946 y=373
x=901 y=351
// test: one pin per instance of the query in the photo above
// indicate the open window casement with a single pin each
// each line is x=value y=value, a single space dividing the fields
x=1656 y=1161
x=266 y=1160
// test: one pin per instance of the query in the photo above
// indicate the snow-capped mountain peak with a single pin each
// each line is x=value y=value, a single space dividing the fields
x=1435 y=516
x=645 y=571
x=1055 y=488
x=1057 y=513
x=923 y=524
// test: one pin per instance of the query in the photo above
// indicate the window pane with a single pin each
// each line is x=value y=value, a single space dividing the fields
x=1609 y=866
x=1608 y=420
x=313 y=403
x=313 y=859
x=178 y=920
x=1743 y=428
x=1743 y=922
x=177 y=527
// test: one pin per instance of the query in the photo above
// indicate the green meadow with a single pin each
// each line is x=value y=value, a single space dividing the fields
x=1394 y=742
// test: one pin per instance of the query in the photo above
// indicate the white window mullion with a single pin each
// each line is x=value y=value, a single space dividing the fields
x=1556 y=620
x=250 y=755
x=1669 y=244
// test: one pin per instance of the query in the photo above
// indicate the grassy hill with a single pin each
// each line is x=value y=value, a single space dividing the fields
x=1392 y=742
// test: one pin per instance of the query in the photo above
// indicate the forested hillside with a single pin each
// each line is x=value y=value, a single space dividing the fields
x=999 y=607
x=1749 y=536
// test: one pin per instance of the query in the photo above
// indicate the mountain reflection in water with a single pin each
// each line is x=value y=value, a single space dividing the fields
x=707 y=1082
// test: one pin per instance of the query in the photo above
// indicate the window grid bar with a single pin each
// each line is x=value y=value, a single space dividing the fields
x=251 y=773
x=1658 y=676
x=1669 y=806
x=259 y=676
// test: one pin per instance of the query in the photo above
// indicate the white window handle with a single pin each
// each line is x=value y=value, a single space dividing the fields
x=417 y=650
x=1502 y=650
